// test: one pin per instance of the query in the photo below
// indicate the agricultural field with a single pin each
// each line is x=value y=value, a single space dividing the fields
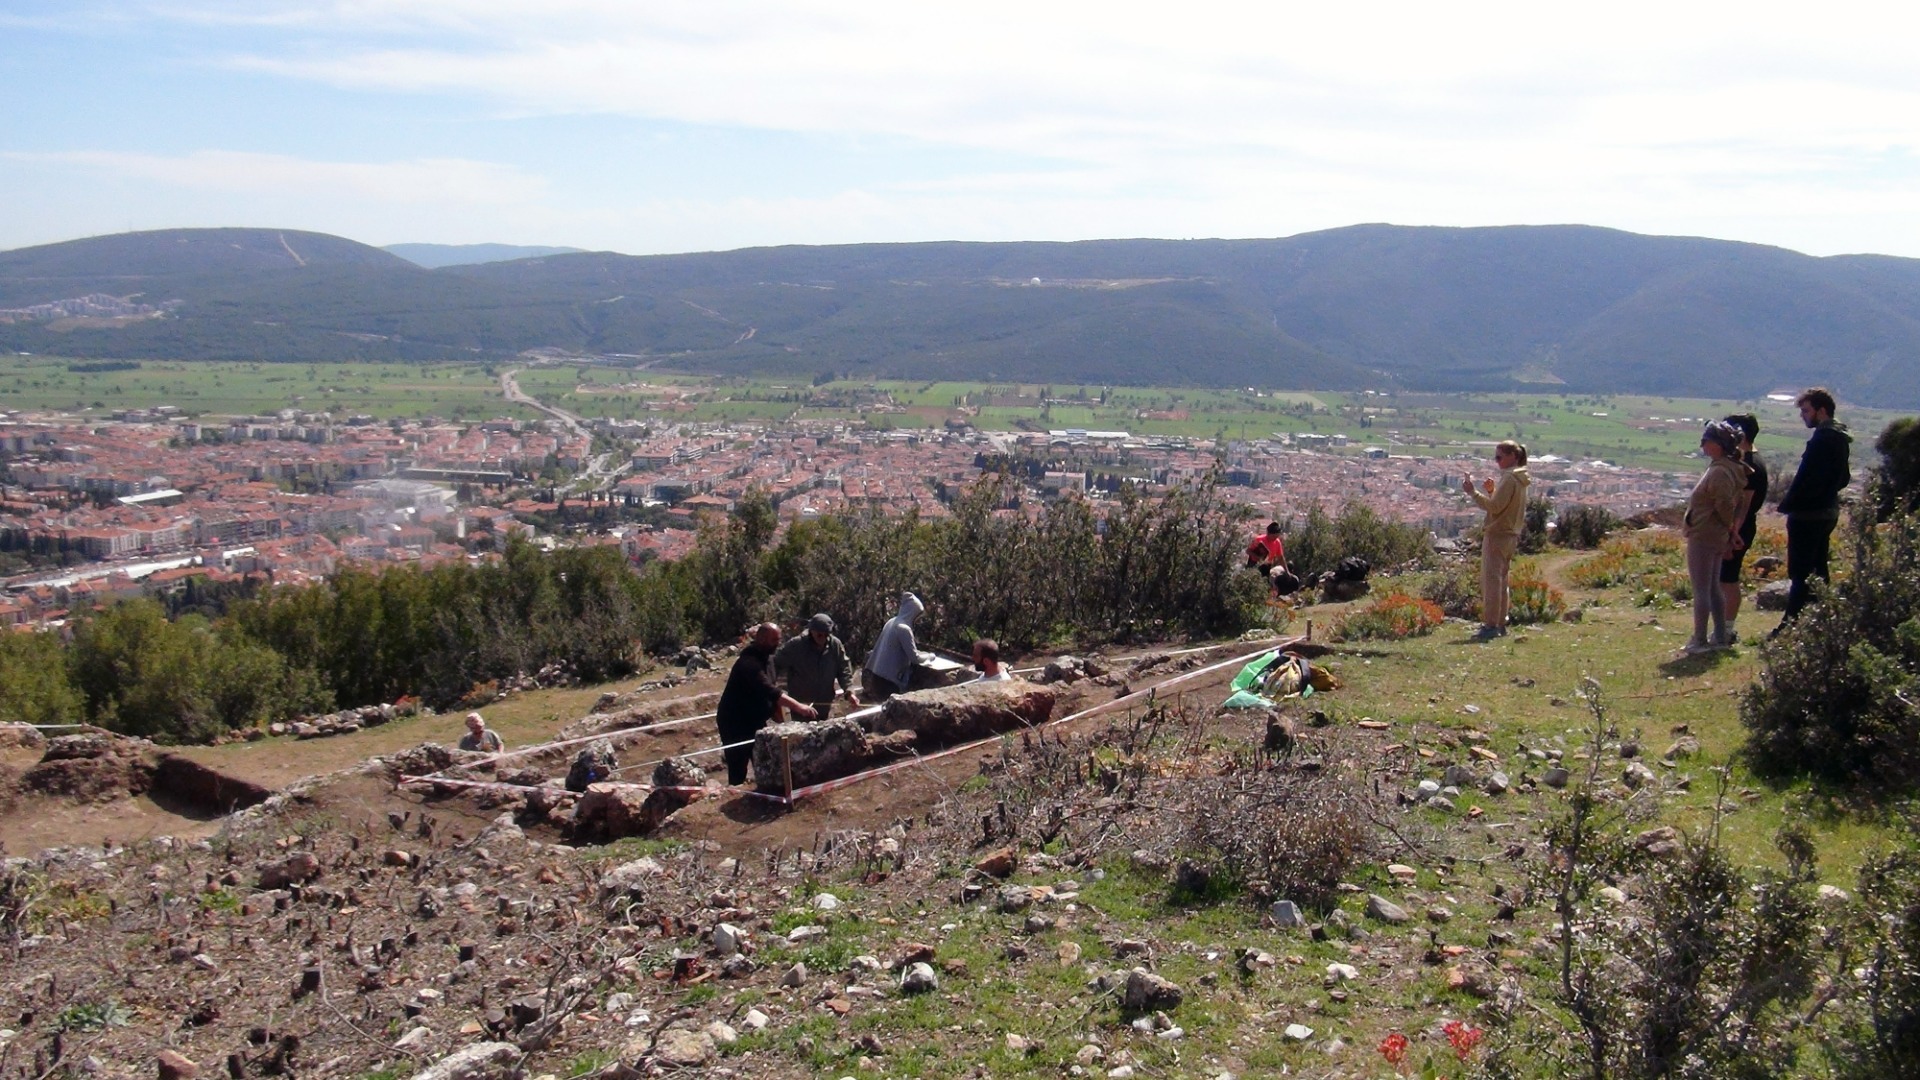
x=204 y=388
x=1640 y=431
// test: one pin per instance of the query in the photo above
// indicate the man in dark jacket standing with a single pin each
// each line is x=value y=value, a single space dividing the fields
x=1812 y=501
x=813 y=663
x=751 y=699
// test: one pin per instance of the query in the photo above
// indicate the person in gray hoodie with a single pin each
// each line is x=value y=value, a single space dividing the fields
x=895 y=651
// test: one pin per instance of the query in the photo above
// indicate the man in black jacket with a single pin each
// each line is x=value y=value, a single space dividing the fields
x=751 y=699
x=1812 y=501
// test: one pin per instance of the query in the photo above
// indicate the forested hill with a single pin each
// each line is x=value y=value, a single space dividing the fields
x=1370 y=305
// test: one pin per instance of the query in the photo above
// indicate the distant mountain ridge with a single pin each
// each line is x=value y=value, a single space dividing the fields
x=1573 y=307
x=435 y=256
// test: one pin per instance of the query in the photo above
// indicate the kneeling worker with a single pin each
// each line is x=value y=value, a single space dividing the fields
x=813 y=663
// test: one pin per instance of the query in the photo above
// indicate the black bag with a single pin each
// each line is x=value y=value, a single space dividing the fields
x=1285 y=582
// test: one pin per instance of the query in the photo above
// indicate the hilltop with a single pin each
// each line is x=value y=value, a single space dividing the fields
x=1569 y=307
x=1031 y=876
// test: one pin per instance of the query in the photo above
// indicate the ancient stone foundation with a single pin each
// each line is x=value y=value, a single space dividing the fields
x=965 y=713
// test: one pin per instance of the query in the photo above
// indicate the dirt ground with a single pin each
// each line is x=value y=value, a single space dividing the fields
x=731 y=820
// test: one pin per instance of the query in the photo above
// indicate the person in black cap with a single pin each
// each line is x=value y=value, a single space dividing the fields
x=813 y=663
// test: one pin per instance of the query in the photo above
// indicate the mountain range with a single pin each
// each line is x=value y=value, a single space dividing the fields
x=1577 y=308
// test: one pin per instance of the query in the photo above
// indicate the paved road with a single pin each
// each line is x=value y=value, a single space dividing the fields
x=601 y=466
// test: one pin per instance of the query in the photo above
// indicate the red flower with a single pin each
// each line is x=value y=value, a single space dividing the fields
x=1394 y=1049
x=1462 y=1037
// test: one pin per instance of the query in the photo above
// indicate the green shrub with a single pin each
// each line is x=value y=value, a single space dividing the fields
x=1836 y=697
x=1456 y=589
x=1584 y=526
x=1539 y=512
x=1394 y=617
x=1319 y=541
x=1877 y=1032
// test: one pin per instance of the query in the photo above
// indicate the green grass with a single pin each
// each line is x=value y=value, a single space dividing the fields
x=216 y=389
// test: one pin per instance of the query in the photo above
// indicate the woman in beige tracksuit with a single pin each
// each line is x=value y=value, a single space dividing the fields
x=1506 y=507
x=1712 y=529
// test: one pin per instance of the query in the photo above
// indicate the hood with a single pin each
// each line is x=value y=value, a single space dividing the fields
x=1836 y=428
x=1519 y=474
x=910 y=607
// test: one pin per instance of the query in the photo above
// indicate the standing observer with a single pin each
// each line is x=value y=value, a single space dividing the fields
x=1712 y=529
x=814 y=663
x=1505 y=504
x=1812 y=500
x=1751 y=501
x=751 y=700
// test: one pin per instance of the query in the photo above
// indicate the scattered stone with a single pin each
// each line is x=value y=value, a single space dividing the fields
x=826 y=901
x=1831 y=894
x=1684 y=747
x=796 y=976
x=1659 y=843
x=755 y=1020
x=1459 y=776
x=682 y=1046
x=1773 y=596
x=481 y=1061
x=919 y=979
x=727 y=938
x=1428 y=788
x=1016 y=898
x=175 y=1066
x=296 y=869
x=722 y=1033
x=1385 y=910
x=1342 y=973
x=1638 y=776
x=414 y=1041
x=1439 y=913
x=1286 y=915
x=1556 y=777
x=1037 y=924
x=1069 y=953
x=629 y=879
x=1146 y=992
x=1612 y=895
x=1299 y=1032
x=1255 y=961
x=1441 y=803
x=998 y=863
x=1497 y=783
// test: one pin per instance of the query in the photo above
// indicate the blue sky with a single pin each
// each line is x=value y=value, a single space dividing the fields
x=648 y=127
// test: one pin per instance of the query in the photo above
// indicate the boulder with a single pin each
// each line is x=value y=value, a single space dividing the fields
x=820 y=751
x=965 y=713
x=610 y=811
x=676 y=782
x=592 y=765
x=296 y=869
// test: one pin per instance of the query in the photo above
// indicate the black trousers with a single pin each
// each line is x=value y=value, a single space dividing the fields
x=737 y=757
x=1809 y=546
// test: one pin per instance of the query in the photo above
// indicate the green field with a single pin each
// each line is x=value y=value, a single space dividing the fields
x=1646 y=432
x=455 y=391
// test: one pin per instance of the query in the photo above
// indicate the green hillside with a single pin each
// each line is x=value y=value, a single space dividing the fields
x=1582 y=308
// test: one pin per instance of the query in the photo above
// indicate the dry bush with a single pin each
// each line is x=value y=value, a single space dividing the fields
x=1163 y=786
x=1393 y=617
x=1456 y=588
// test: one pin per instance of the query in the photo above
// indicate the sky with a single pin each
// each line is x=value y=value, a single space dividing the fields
x=648 y=127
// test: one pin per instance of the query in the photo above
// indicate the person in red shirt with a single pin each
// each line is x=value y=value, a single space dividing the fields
x=1269 y=556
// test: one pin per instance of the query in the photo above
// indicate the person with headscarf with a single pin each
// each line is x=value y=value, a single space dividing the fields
x=1751 y=500
x=813 y=663
x=1712 y=528
x=895 y=651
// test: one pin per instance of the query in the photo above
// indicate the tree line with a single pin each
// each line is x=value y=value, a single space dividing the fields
x=1070 y=573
